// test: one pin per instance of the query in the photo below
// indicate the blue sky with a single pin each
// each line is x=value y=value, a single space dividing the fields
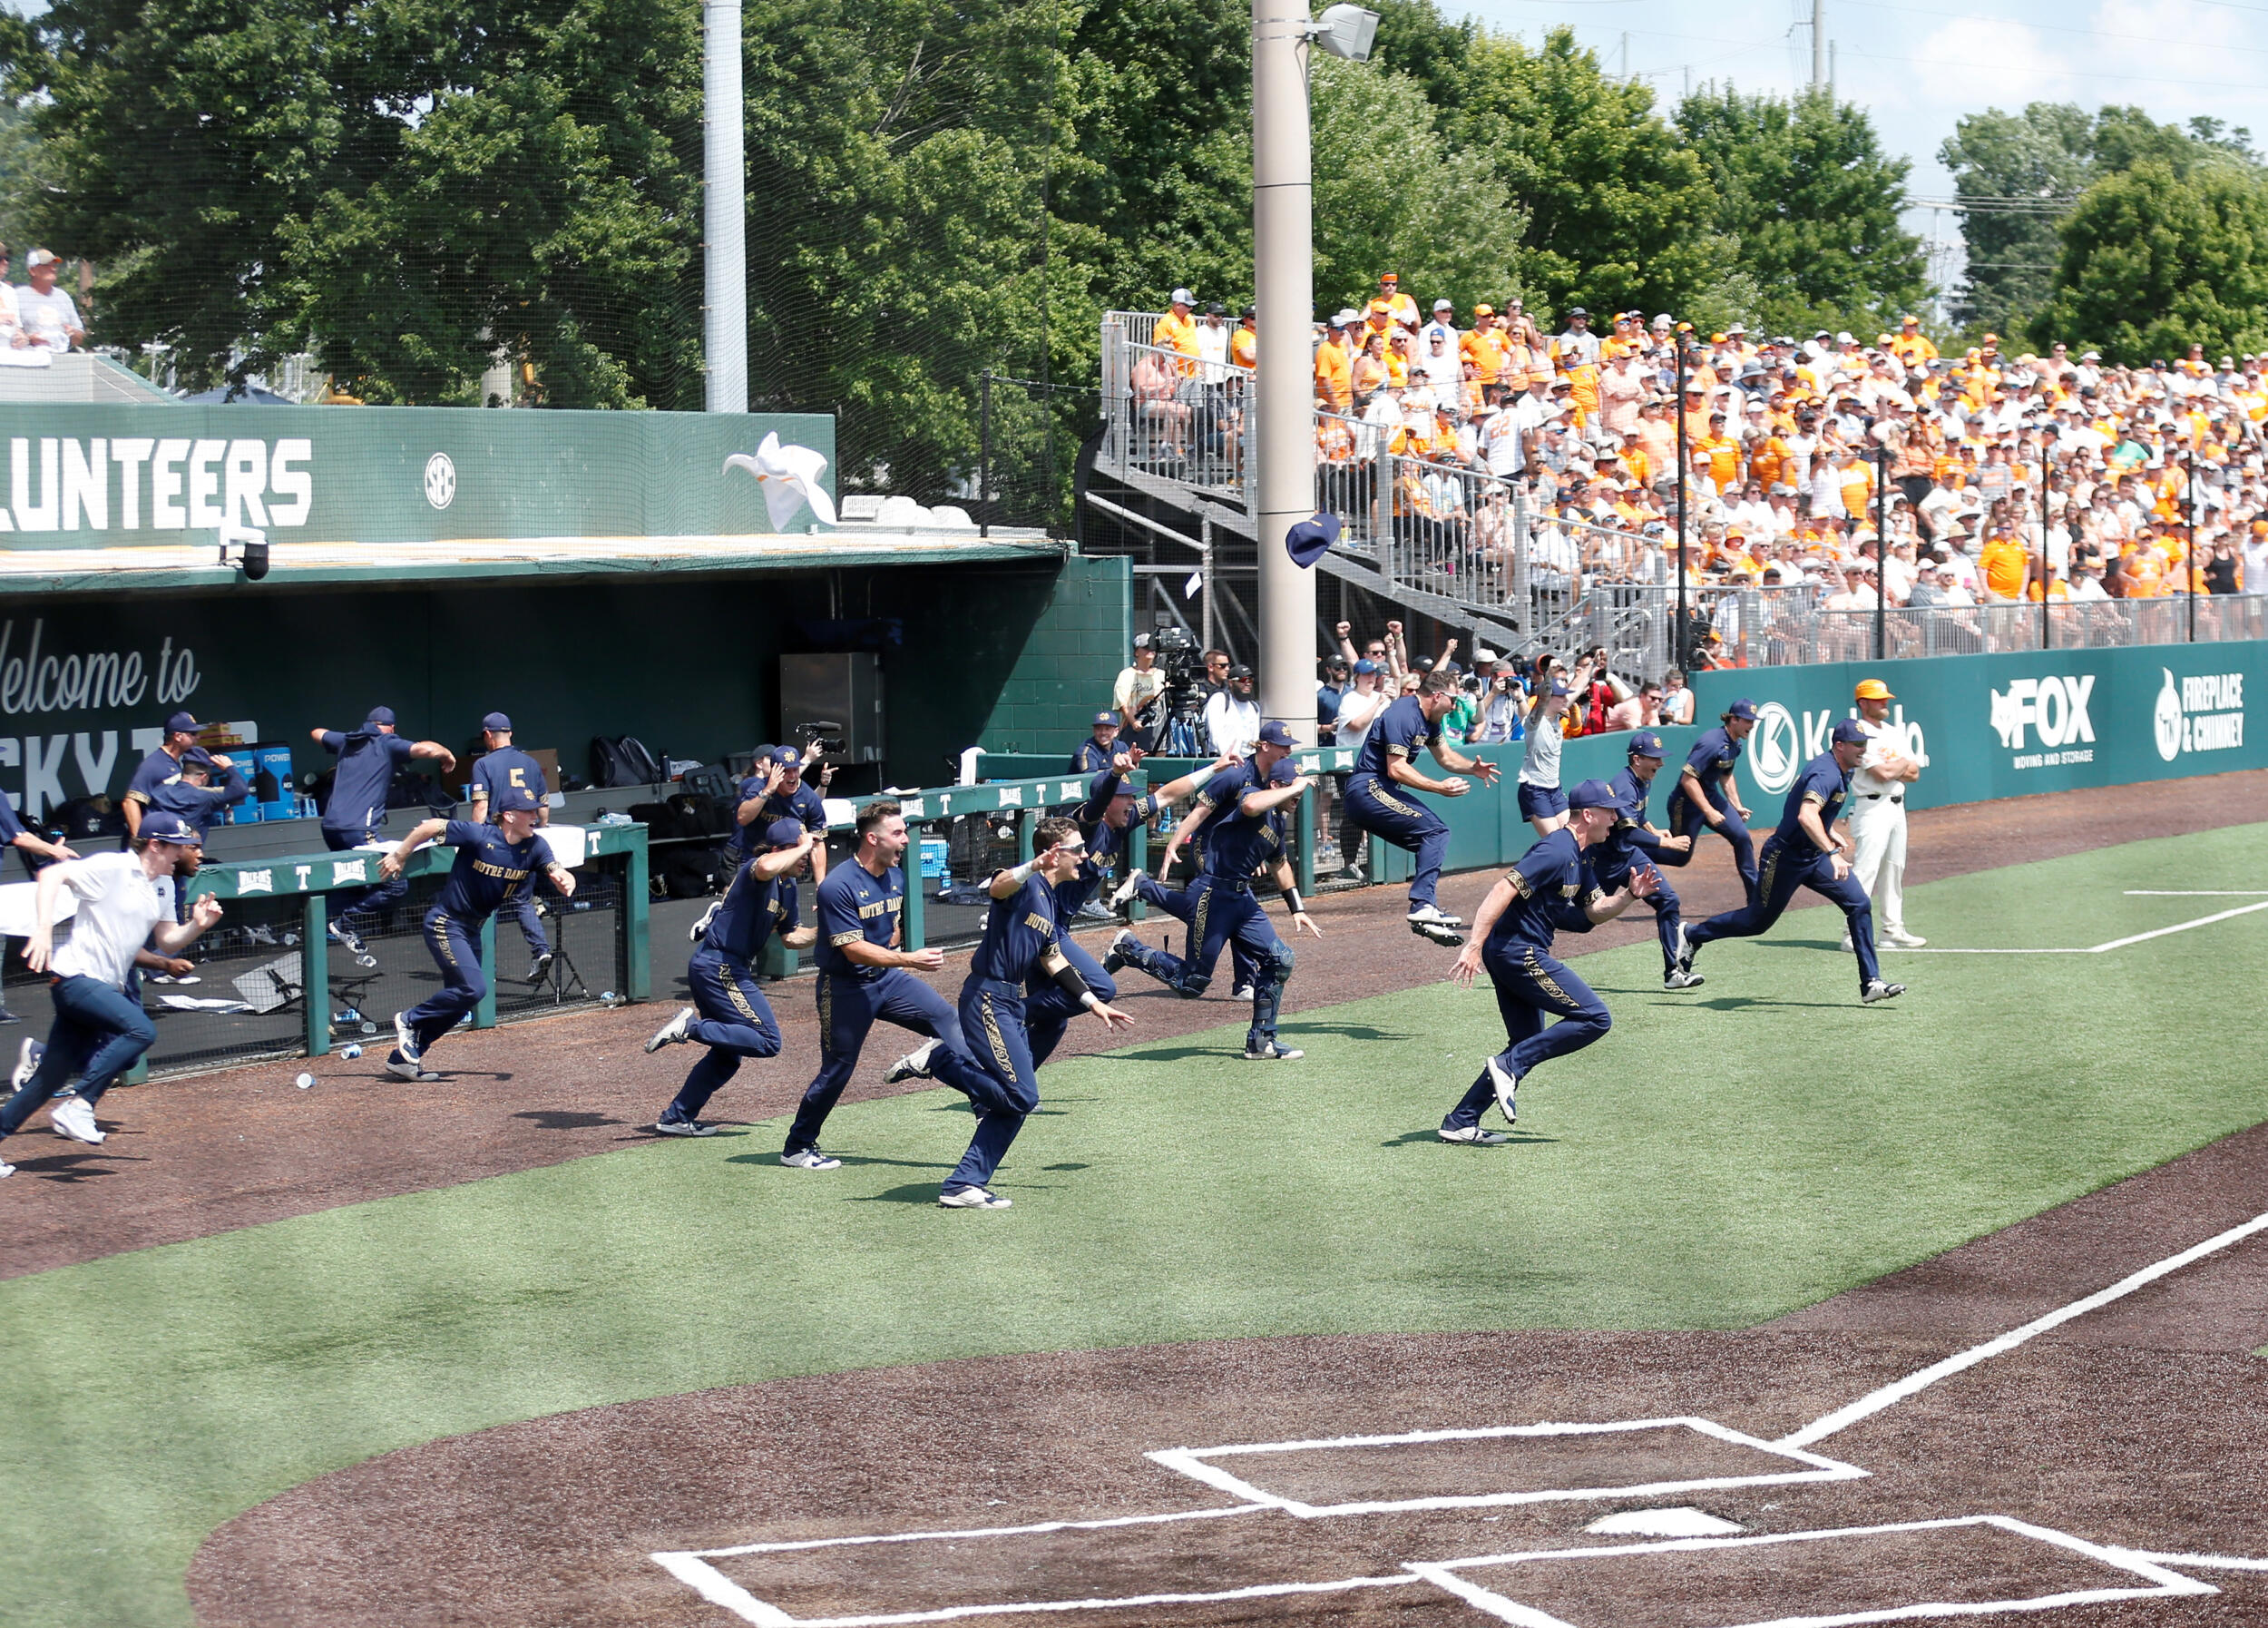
x=1917 y=69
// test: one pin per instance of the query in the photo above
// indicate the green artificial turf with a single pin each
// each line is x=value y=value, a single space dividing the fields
x=1722 y=1157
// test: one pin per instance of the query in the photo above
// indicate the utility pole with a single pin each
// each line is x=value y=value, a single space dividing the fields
x=1819 y=45
x=723 y=211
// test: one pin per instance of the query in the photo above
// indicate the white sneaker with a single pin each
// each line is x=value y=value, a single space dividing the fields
x=403 y=1068
x=673 y=1033
x=972 y=1198
x=1683 y=980
x=406 y=1039
x=1902 y=939
x=1124 y=891
x=1504 y=1086
x=707 y=915
x=810 y=1159
x=1879 y=991
x=1473 y=1136
x=913 y=1066
x=71 y=1116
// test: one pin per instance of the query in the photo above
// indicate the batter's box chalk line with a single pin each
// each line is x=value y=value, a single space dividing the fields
x=694 y=1567
x=2116 y=944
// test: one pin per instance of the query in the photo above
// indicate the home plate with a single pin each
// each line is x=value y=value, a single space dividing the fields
x=1681 y=1521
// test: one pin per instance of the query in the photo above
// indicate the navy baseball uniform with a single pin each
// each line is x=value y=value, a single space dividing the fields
x=1092 y=755
x=1221 y=908
x=996 y=1065
x=1792 y=860
x=733 y=1018
x=854 y=904
x=356 y=813
x=1713 y=755
x=1630 y=848
x=199 y=807
x=161 y=768
x=1378 y=804
x=1548 y=881
x=489 y=868
x=492 y=772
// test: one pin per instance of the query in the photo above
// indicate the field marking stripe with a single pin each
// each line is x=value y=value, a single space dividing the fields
x=2203 y=921
x=1258 y=1591
x=1487 y=1600
x=2094 y=949
x=2207 y=1563
x=2196 y=892
x=914 y=1537
x=717 y=1589
x=1891 y=1394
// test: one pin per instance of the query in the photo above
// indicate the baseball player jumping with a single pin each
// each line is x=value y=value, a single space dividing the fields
x=1706 y=794
x=1386 y=772
x=1634 y=845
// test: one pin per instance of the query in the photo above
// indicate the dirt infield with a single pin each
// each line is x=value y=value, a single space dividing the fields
x=2142 y=1426
x=191 y=1157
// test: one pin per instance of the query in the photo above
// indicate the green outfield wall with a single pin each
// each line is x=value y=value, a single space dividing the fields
x=93 y=477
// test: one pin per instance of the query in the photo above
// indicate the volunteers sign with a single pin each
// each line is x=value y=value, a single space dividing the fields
x=1987 y=727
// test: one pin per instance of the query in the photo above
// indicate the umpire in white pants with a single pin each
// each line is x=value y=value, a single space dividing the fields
x=1878 y=814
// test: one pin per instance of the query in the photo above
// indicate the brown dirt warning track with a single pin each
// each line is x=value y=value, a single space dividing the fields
x=191 y=1157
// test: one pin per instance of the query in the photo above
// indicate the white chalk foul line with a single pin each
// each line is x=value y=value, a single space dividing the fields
x=2197 y=893
x=2204 y=1563
x=1913 y=1384
x=2097 y=949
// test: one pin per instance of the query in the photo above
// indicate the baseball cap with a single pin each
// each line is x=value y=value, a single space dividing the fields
x=1240 y=670
x=783 y=833
x=1285 y=772
x=786 y=757
x=384 y=715
x=183 y=723
x=1593 y=794
x=1444 y=305
x=159 y=826
x=1109 y=718
x=1743 y=709
x=1346 y=319
x=1558 y=687
x=498 y=722
x=1367 y=666
x=197 y=757
x=1645 y=743
x=42 y=257
x=1578 y=311
x=1183 y=296
x=509 y=797
x=1873 y=690
x=1847 y=731
x=1274 y=733
x=1095 y=783
x=1141 y=642
x=1311 y=539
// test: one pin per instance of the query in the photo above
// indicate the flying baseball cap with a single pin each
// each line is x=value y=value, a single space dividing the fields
x=183 y=723
x=1645 y=743
x=384 y=715
x=1110 y=718
x=1744 y=709
x=497 y=723
x=783 y=833
x=1847 y=731
x=1274 y=733
x=509 y=797
x=159 y=826
x=1873 y=690
x=1593 y=794
x=1310 y=540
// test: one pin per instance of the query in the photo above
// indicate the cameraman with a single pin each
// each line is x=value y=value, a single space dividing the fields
x=1501 y=706
x=1140 y=698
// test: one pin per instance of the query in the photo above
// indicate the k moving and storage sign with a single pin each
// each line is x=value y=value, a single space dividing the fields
x=90 y=476
x=1987 y=727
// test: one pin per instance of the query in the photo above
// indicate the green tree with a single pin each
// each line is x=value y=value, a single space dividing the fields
x=1806 y=191
x=2018 y=174
x=2154 y=261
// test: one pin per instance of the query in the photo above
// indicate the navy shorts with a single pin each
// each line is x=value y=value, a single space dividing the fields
x=1540 y=802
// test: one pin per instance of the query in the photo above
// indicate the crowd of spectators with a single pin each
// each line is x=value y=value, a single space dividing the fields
x=1997 y=477
x=37 y=314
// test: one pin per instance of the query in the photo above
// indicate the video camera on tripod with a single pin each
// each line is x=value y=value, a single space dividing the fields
x=1183 y=664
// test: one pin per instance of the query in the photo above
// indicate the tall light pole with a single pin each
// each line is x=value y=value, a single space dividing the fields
x=723 y=211
x=1284 y=259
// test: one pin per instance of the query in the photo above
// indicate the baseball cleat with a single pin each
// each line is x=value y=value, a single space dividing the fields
x=1120 y=953
x=1437 y=932
x=1272 y=1051
x=913 y=1066
x=1902 y=939
x=676 y=1032
x=810 y=1159
x=1846 y=946
x=695 y=932
x=539 y=968
x=71 y=1116
x=1501 y=1082
x=972 y=1198
x=404 y=1068
x=1677 y=978
x=27 y=1056
x=406 y=1039
x=1684 y=949
x=683 y=1127
x=1124 y=891
x=7 y=1170
x=348 y=939
x=1437 y=916
x=1243 y=992
x=1472 y=1136
x=1879 y=991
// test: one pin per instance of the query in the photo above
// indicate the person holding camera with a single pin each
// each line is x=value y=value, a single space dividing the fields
x=1139 y=696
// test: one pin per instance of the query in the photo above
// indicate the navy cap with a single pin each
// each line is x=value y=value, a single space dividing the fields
x=1310 y=540
x=1285 y=772
x=384 y=715
x=786 y=757
x=159 y=826
x=784 y=833
x=1110 y=718
x=1593 y=794
x=1743 y=709
x=1558 y=687
x=763 y=754
x=1274 y=733
x=1848 y=731
x=509 y=797
x=498 y=722
x=183 y=723
x=197 y=757
x=1645 y=743
x=1096 y=780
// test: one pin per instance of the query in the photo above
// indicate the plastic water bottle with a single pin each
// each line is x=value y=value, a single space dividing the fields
x=607 y=997
x=350 y=1052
